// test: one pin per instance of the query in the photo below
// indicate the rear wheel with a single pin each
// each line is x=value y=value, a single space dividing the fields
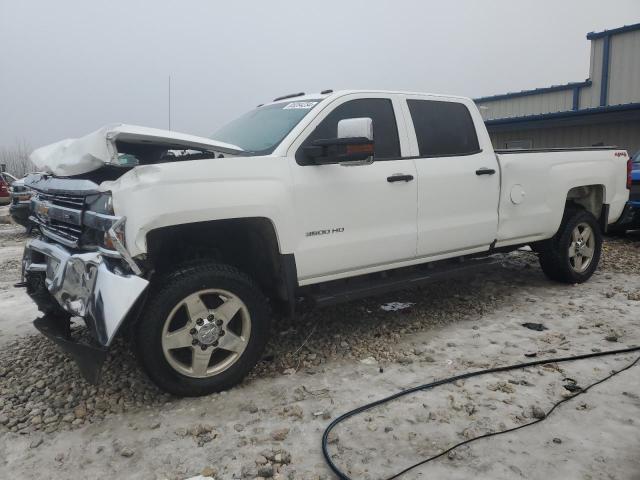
x=572 y=255
x=203 y=329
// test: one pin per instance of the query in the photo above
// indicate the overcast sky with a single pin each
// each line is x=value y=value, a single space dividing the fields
x=69 y=67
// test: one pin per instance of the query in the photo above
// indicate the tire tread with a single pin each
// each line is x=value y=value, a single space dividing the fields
x=553 y=253
x=147 y=346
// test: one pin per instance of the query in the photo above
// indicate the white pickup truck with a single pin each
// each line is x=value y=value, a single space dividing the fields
x=189 y=243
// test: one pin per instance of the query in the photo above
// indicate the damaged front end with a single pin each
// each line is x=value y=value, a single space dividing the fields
x=79 y=267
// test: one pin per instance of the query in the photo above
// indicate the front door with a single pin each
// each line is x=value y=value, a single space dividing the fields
x=351 y=218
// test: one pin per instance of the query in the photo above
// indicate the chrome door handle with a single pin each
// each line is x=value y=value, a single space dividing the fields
x=399 y=177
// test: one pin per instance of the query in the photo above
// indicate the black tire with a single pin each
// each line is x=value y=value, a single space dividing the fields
x=554 y=255
x=168 y=292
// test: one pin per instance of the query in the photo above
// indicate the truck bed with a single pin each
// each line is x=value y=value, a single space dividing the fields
x=554 y=149
x=535 y=184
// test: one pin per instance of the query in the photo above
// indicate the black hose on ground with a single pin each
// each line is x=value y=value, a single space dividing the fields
x=343 y=476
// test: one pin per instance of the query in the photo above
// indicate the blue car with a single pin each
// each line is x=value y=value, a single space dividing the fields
x=630 y=218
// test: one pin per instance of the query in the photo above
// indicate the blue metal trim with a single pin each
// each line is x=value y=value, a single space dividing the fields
x=576 y=98
x=568 y=113
x=536 y=91
x=613 y=31
x=606 y=34
x=604 y=85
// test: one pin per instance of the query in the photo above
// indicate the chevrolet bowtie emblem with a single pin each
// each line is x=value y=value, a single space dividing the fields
x=42 y=209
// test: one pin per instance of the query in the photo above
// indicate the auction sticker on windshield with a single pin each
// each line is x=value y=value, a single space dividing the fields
x=299 y=105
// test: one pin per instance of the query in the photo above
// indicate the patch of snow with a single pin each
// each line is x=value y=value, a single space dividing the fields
x=395 y=306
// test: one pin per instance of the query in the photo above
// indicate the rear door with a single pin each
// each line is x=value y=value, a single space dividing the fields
x=354 y=217
x=458 y=182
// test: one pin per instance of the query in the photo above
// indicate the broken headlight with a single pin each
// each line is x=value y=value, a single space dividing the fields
x=100 y=203
x=114 y=235
x=100 y=216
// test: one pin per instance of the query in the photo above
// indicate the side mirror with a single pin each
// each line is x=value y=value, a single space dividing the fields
x=355 y=128
x=353 y=143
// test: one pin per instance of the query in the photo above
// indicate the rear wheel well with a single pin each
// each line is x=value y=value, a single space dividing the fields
x=587 y=197
x=249 y=244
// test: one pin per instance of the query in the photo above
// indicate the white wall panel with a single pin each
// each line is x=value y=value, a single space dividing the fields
x=624 y=70
x=622 y=134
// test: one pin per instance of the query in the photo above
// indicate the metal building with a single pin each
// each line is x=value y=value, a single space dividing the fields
x=602 y=110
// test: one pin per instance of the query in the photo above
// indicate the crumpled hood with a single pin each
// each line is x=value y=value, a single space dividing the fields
x=75 y=156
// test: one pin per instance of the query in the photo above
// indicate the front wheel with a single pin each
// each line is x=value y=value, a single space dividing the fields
x=203 y=329
x=572 y=255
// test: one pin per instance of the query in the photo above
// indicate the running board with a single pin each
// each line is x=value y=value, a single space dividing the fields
x=356 y=288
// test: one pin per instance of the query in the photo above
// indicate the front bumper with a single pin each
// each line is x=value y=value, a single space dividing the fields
x=84 y=285
x=88 y=357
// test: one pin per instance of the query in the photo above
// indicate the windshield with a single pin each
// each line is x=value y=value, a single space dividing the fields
x=261 y=130
x=636 y=157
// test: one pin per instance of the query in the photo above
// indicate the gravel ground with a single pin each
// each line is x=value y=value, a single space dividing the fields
x=622 y=254
x=274 y=419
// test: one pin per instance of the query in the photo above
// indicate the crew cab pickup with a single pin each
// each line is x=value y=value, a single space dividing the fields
x=188 y=243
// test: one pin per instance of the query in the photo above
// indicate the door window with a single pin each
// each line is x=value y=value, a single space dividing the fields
x=385 y=129
x=443 y=128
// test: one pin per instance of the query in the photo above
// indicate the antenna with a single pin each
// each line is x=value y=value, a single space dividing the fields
x=169 y=100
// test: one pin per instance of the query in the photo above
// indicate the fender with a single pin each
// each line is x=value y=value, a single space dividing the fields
x=178 y=193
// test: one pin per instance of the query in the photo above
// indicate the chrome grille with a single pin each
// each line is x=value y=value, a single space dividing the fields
x=59 y=216
x=64 y=200
x=71 y=231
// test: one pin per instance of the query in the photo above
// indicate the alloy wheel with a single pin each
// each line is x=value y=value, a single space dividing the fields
x=206 y=333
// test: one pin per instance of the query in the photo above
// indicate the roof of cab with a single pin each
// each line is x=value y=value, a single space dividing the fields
x=340 y=93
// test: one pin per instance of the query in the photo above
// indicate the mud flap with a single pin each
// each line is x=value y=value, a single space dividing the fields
x=89 y=358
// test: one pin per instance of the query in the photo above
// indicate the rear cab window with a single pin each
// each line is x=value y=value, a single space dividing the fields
x=385 y=128
x=443 y=129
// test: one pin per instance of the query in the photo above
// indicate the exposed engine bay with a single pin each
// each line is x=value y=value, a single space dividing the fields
x=131 y=155
x=121 y=147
